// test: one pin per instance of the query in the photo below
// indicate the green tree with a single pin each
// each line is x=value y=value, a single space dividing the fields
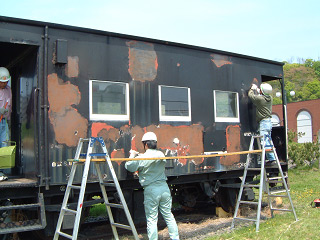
x=303 y=78
x=311 y=90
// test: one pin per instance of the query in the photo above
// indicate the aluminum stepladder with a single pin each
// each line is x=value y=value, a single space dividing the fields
x=264 y=182
x=76 y=162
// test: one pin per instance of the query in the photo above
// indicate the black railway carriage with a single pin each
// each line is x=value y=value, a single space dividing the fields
x=70 y=83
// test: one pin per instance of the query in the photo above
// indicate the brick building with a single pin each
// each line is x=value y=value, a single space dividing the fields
x=302 y=117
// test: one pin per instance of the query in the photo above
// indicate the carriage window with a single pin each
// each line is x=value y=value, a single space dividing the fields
x=175 y=104
x=108 y=100
x=226 y=106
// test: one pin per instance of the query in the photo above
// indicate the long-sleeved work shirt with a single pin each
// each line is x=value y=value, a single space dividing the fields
x=6 y=96
x=149 y=171
x=263 y=105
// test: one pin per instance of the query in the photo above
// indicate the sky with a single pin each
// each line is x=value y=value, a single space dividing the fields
x=279 y=30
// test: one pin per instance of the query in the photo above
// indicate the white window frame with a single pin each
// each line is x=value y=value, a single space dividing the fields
x=112 y=117
x=275 y=120
x=225 y=119
x=174 y=118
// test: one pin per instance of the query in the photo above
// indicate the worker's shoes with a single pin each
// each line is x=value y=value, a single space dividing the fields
x=272 y=163
x=3 y=177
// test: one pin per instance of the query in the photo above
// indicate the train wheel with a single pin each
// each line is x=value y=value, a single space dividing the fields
x=227 y=197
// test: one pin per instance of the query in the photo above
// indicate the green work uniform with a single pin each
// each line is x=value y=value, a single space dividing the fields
x=157 y=196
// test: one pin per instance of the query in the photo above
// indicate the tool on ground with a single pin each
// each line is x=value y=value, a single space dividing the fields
x=264 y=184
x=315 y=203
x=72 y=186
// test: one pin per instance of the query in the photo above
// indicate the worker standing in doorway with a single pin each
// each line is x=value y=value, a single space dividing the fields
x=262 y=99
x=5 y=110
x=157 y=196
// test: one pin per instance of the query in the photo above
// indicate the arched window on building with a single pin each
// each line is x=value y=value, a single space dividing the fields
x=304 y=125
x=275 y=120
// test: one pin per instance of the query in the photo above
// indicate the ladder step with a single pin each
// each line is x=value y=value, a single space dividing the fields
x=246 y=219
x=279 y=191
x=93 y=154
x=272 y=195
x=12 y=228
x=279 y=209
x=108 y=184
x=98 y=154
x=114 y=205
x=119 y=225
x=275 y=178
x=274 y=181
x=249 y=202
x=70 y=210
x=257 y=136
x=75 y=187
x=251 y=185
x=64 y=234
x=254 y=169
x=83 y=160
x=21 y=206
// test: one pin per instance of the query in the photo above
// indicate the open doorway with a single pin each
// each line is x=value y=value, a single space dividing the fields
x=22 y=62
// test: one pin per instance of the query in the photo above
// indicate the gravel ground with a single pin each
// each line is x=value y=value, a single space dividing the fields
x=196 y=225
x=200 y=229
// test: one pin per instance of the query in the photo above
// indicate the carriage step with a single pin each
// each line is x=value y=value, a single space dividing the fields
x=20 y=226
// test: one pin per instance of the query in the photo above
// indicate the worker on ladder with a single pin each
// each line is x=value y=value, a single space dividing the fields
x=157 y=194
x=262 y=99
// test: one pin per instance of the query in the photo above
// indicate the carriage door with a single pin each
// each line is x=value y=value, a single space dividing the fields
x=23 y=112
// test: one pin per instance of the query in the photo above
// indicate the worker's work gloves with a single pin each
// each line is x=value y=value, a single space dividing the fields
x=3 y=111
x=254 y=87
x=133 y=153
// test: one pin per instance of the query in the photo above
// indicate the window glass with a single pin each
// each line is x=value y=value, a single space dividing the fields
x=174 y=103
x=304 y=126
x=109 y=100
x=226 y=106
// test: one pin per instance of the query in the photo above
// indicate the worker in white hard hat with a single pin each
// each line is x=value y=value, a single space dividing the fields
x=5 y=110
x=157 y=196
x=262 y=99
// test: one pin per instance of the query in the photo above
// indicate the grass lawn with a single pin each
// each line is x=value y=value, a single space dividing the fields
x=304 y=188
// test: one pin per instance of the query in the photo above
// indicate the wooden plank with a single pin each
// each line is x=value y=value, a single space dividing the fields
x=191 y=156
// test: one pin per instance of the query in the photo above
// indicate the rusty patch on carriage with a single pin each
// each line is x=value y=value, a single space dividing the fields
x=233 y=145
x=143 y=61
x=68 y=124
x=220 y=60
x=72 y=67
x=117 y=153
x=190 y=139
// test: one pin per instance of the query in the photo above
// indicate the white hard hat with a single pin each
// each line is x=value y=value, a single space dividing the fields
x=266 y=88
x=149 y=136
x=4 y=75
